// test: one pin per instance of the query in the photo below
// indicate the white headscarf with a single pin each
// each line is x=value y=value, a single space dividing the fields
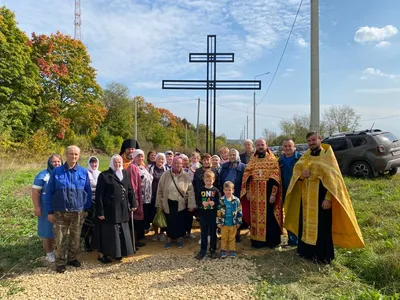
x=95 y=172
x=137 y=152
x=118 y=172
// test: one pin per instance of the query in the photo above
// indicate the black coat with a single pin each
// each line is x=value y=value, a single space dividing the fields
x=114 y=197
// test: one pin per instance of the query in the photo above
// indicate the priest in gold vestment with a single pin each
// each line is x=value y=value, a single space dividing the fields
x=261 y=197
x=318 y=208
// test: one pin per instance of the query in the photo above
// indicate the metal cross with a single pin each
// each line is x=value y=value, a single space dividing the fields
x=211 y=84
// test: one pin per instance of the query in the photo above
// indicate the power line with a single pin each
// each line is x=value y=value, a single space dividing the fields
x=283 y=53
x=382 y=118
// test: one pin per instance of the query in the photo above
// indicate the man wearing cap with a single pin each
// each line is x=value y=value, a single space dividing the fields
x=128 y=147
x=169 y=157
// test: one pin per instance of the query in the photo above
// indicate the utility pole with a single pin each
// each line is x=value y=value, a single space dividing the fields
x=135 y=118
x=254 y=108
x=186 y=136
x=78 y=20
x=314 y=66
x=198 y=120
x=247 y=128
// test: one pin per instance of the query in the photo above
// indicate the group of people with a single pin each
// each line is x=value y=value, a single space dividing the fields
x=301 y=197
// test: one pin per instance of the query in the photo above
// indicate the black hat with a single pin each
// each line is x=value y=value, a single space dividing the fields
x=129 y=143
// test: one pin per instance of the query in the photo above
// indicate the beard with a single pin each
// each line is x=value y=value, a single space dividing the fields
x=260 y=153
x=129 y=156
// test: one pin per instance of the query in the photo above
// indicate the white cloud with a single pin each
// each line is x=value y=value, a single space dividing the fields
x=145 y=41
x=288 y=72
x=368 y=34
x=371 y=72
x=302 y=43
x=383 y=44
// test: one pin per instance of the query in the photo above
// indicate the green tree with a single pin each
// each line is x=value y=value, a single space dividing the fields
x=19 y=76
x=120 y=110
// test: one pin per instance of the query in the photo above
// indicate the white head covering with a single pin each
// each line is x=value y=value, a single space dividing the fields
x=183 y=156
x=95 y=172
x=237 y=154
x=118 y=172
x=137 y=152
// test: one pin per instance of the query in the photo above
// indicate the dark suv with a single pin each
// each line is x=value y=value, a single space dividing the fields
x=366 y=153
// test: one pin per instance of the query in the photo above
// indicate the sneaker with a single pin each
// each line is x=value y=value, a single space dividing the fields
x=161 y=237
x=222 y=254
x=200 y=255
x=155 y=238
x=192 y=236
x=61 y=269
x=50 y=257
x=213 y=255
x=75 y=263
x=232 y=254
x=179 y=243
x=167 y=245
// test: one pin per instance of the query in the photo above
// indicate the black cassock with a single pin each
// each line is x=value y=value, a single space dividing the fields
x=114 y=198
x=323 y=251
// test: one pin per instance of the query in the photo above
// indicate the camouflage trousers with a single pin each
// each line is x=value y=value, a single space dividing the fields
x=67 y=232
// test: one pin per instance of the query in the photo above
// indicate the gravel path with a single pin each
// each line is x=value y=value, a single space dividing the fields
x=153 y=273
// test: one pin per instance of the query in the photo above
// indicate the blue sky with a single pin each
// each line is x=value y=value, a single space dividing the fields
x=141 y=42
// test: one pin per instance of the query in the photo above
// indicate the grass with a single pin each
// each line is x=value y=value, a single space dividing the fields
x=370 y=273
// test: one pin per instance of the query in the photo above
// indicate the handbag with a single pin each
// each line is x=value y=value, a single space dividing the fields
x=159 y=219
x=173 y=180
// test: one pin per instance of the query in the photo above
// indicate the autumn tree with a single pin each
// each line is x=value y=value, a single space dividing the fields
x=341 y=119
x=71 y=95
x=19 y=77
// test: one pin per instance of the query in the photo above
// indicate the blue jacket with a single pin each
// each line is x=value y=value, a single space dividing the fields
x=236 y=211
x=235 y=175
x=287 y=172
x=68 y=190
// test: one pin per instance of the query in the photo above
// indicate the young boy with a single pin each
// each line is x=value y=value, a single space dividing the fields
x=208 y=214
x=229 y=216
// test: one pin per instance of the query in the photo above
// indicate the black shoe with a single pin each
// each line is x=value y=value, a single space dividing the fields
x=61 y=269
x=139 y=244
x=88 y=249
x=75 y=263
x=200 y=255
x=104 y=259
x=213 y=255
x=118 y=258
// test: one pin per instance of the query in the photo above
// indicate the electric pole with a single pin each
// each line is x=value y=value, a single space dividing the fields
x=314 y=66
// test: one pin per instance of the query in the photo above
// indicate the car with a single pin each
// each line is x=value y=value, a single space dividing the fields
x=366 y=153
x=301 y=148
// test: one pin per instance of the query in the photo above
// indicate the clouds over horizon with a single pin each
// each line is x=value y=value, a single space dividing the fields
x=370 y=35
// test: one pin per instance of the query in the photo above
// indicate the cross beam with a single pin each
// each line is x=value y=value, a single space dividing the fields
x=211 y=84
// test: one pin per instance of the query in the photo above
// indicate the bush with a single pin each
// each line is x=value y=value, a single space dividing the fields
x=106 y=142
x=40 y=144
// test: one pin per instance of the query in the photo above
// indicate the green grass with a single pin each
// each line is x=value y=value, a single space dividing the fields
x=370 y=273
x=20 y=247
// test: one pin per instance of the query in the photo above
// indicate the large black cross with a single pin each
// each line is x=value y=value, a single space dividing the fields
x=211 y=84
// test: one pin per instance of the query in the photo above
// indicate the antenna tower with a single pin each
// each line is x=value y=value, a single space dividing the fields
x=78 y=21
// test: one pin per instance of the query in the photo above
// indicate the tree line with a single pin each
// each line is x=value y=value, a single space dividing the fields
x=335 y=119
x=49 y=98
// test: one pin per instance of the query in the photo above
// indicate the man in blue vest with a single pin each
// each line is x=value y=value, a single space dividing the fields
x=286 y=162
x=68 y=198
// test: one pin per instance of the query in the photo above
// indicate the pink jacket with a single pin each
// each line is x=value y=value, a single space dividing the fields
x=134 y=175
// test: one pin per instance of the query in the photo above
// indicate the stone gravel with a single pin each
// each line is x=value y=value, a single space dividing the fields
x=157 y=274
